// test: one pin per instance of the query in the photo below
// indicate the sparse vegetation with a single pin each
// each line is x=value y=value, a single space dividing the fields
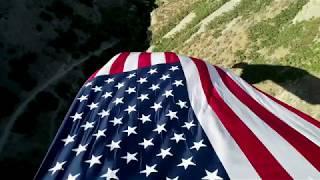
x=299 y=38
x=244 y=9
x=268 y=35
x=202 y=10
x=174 y=20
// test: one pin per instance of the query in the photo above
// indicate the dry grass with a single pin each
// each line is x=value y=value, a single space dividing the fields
x=169 y=15
x=229 y=39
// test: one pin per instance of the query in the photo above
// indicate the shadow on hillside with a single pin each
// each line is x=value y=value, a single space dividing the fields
x=48 y=49
x=297 y=81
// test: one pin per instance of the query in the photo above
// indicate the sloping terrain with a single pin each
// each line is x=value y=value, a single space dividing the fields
x=273 y=44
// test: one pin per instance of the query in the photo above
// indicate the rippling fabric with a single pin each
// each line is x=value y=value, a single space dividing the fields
x=166 y=116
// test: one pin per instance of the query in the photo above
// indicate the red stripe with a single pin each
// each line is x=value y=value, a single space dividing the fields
x=258 y=155
x=144 y=60
x=171 y=57
x=118 y=64
x=299 y=113
x=306 y=147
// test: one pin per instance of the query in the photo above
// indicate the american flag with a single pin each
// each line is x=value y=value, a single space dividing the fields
x=167 y=116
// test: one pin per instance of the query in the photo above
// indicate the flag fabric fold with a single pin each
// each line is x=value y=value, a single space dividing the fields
x=162 y=115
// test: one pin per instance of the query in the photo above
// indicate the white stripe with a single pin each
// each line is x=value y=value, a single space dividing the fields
x=290 y=159
x=230 y=154
x=106 y=68
x=293 y=120
x=131 y=62
x=158 y=58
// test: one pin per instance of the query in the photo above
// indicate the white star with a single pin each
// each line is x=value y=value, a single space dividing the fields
x=93 y=105
x=146 y=143
x=130 y=157
x=131 y=90
x=97 y=88
x=131 y=75
x=94 y=160
x=149 y=170
x=198 y=145
x=182 y=104
x=109 y=80
x=116 y=121
x=118 y=101
x=178 y=137
x=73 y=177
x=154 y=87
x=82 y=98
x=143 y=97
x=176 y=178
x=178 y=83
x=156 y=106
x=131 y=109
x=57 y=167
x=88 y=84
x=114 y=145
x=76 y=116
x=212 y=175
x=145 y=118
x=142 y=80
x=164 y=77
x=165 y=152
x=188 y=125
x=131 y=130
x=80 y=149
x=110 y=174
x=167 y=93
x=119 y=85
x=160 y=128
x=107 y=94
x=100 y=133
x=152 y=71
x=104 y=113
x=186 y=162
x=172 y=114
x=88 y=125
x=174 y=68
x=68 y=140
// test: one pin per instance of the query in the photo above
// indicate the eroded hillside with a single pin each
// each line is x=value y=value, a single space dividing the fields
x=273 y=44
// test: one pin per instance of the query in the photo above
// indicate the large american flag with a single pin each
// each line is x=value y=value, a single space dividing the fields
x=166 y=116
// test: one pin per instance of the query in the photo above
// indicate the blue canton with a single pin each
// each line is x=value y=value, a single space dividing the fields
x=133 y=125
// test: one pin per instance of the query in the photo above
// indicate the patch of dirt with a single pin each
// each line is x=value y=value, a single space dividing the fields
x=228 y=6
x=310 y=10
x=162 y=16
x=182 y=24
x=280 y=53
x=223 y=9
x=231 y=24
x=220 y=50
x=272 y=10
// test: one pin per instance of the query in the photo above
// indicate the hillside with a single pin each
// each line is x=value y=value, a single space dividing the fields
x=273 y=44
